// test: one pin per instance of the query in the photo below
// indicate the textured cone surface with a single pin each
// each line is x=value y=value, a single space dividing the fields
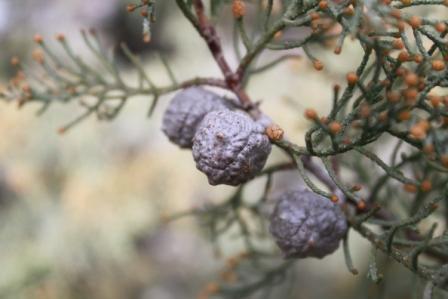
x=230 y=148
x=305 y=224
x=186 y=111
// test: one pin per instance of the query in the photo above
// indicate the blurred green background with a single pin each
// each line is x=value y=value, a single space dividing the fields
x=80 y=213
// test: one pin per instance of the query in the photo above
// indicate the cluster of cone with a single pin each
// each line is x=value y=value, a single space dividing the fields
x=230 y=148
